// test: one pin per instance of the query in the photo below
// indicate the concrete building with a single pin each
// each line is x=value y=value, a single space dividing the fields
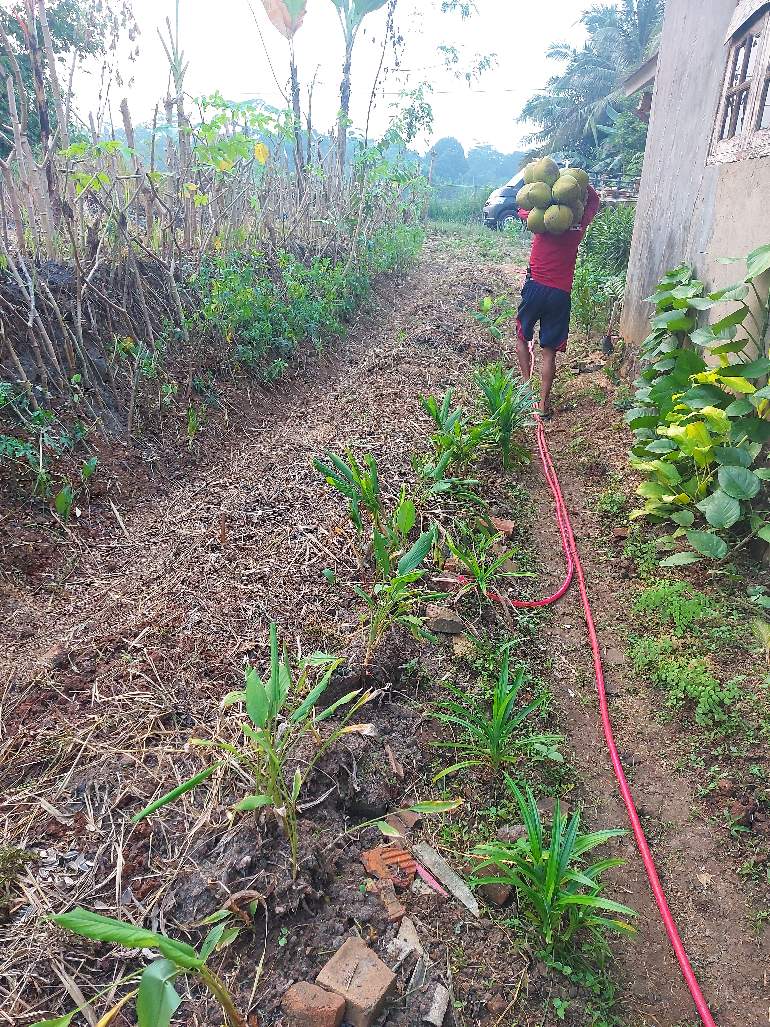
x=706 y=176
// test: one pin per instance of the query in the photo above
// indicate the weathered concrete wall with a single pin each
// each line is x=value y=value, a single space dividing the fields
x=688 y=211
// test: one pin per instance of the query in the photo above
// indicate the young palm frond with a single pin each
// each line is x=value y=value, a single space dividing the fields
x=558 y=890
x=494 y=736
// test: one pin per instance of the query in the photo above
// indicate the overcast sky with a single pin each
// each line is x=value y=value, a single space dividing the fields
x=222 y=46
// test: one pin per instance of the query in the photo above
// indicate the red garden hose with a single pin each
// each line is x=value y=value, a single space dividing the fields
x=574 y=567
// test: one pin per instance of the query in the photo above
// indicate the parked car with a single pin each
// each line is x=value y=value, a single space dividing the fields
x=500 y=209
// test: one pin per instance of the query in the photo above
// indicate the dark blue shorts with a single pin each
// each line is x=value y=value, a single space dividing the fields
x=551 y=307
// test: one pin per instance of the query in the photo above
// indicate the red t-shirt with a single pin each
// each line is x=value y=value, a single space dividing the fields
x=552 y=259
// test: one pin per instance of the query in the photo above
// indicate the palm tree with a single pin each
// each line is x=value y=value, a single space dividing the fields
x=574 y=103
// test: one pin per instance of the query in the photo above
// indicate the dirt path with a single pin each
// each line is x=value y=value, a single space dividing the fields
x=114 y=661
x=696 y=865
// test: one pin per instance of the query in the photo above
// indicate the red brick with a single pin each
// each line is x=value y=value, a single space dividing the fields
x=361 y=978
x=307 y=1005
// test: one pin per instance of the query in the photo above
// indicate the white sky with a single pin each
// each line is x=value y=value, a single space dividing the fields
x=220 y=42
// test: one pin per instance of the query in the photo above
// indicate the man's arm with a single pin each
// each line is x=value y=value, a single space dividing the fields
x=593 y=203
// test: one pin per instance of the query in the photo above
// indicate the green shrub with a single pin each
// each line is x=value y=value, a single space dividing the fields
x=700 y=431
x=670 y=602
x=687 y=680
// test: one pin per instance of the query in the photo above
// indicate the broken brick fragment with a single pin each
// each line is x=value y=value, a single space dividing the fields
x=307 y=1005
x=390 y=863
x=361 y=978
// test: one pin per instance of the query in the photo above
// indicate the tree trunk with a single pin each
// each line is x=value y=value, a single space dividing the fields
x=345 y=86
x=296 y=108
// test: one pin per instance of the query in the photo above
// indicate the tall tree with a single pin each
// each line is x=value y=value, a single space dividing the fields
x=351 y=14
x=573 y=104
x=79 y=28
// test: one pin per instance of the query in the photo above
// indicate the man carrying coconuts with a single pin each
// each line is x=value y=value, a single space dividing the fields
x=557 y=207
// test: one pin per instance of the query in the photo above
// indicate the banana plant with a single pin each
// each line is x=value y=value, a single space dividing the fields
x=287 y=16
x=156 y=997
x=351 y=14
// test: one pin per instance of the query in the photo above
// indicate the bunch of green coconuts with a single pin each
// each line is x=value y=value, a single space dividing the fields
x=555 y=199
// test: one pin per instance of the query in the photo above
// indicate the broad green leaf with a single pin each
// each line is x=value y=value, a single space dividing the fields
x=763 y=473
x=705 y=395
x=739 y=482
x=720 y=509
x=251 y=802
x=406 y=515
x=661 y=446
x=754 y=428
x=415 y=556
x=257 y=699
x=104 y=928
x=708 y=544
x=185 y=786
x=735 y=456
x=731 y=320
x=757 y=262
x=739 y=407
x=683 y=517
x=211 y=940
x=157 y=999
x=680 y=560
x=753 y=369
x=674 y=321
x=731 y=292
x=430 y=806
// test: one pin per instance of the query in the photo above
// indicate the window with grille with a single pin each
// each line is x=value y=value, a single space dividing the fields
x=743 y=120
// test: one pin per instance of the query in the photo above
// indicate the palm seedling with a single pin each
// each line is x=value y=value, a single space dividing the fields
x=455 y=436
x=398 y=594
x=498 y=735
x=156 y=997
x=559 y=891
x=272 y=732
x=509 y=403
x=358 y=483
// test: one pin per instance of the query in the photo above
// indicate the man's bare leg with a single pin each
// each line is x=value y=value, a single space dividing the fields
x=547 y=374
x=525 y=358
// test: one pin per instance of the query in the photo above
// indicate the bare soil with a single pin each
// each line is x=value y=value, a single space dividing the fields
x=121 y=636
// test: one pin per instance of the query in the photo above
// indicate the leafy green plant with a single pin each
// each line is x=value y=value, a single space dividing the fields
x=273 y=730
x=438 y=481
x=156 y=997
x=479 y=556
x=509 y=403
x=493 y=313
x=494 y=736
x=687 y=680
x=394 y=600
x=63 y=501
x=699 y=421
x=457 y=440
x=559 y=891
x=358 y=483
x=672 y=602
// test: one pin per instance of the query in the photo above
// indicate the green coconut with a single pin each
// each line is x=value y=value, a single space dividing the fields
x=580 y=177
x=540 y=195
x=566 y=190
x=578 y=209
x=547 y=171
x=524 y=197
x=529 y=172
x=558 y=218
x=536 y=221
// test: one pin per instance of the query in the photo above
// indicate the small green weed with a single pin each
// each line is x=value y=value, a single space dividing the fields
x=673 y=603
